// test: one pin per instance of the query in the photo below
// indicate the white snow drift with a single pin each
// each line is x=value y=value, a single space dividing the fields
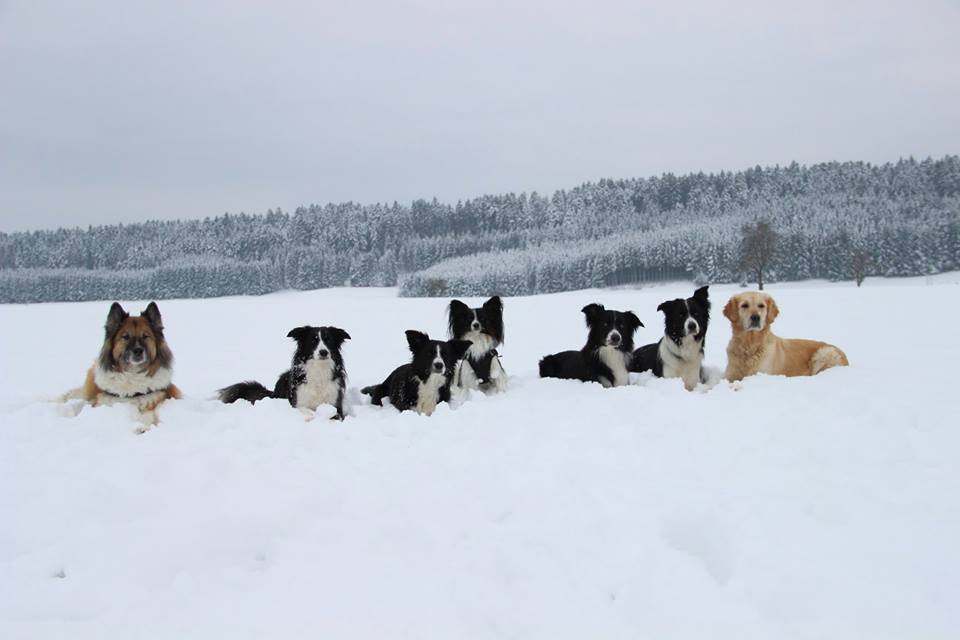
x=817 y=507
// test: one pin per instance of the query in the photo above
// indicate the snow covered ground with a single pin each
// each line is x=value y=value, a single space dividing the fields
x=825 y=507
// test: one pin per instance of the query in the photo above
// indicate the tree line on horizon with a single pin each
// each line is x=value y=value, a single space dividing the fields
x=833 y=220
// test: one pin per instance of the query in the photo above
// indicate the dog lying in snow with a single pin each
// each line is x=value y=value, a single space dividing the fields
x=605 y=358
x=135 y=365
x=679 y=353
x=754 y=348
x=480 y=368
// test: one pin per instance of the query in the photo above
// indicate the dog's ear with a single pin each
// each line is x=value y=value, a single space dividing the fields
x=730 y=311
x=772 y=310
x=633 y=320
x=592 y=311
x=457 y=312
x=458 y=307
x=666 y=304
x=416 y=340
x=459 y=348
x=152 y=314
x=115 y=318
x=493 y=317
x=493 y=305
x=334 y=336
x=300 y=333
x=702 y=296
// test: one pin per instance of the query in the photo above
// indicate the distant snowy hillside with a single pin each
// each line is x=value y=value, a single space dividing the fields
x=820 y=507
x=904 y=217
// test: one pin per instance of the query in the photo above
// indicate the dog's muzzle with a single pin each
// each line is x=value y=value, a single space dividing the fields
x=137 y=356
x=692 y=327
x=614 y=339
x=438 y=367
x=755 y=321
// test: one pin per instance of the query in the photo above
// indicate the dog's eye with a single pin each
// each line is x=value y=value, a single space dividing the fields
x=744 y=305
x=125 y=336
x=761 y=305
x=145 y=337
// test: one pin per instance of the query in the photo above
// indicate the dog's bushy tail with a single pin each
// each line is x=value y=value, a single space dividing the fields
x=548 y=367
x=827 y=356
x=249 y=391
x=376 y=393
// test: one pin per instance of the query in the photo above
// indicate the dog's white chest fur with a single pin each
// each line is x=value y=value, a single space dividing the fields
x=481 y=343
x=466 y=378
x=428 y=393
x=318 y=386
x=682 y=361
x=127 y=384
x=616 y=361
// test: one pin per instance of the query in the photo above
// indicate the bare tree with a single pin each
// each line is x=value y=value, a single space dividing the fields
x=859 y=261
x=757 y=248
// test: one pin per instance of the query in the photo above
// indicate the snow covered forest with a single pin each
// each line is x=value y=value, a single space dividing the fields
x=903 y=216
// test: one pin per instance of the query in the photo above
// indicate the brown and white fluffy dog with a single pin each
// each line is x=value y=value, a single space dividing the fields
x=135 y=365
x=754 y=349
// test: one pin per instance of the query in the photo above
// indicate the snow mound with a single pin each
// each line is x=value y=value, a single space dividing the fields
x=816 y=507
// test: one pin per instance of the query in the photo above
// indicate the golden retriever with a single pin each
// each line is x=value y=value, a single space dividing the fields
x=753 y=348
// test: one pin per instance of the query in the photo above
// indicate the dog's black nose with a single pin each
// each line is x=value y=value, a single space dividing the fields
x=138 y=352
x=755 y=318
x=615 y=338
x=438 y=366
x=475 y=326
x=691 y=326
x=323 y=353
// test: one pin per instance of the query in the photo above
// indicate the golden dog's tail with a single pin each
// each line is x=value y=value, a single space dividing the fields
x=827 y=356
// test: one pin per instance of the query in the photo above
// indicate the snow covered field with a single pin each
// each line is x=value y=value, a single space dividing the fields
x=825 y=507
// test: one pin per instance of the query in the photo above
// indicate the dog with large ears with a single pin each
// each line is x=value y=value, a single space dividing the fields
x=425 y=381
x=754 y=348
x=316 y=375
x=483 y=327
x=605 y=358
x=135 y=365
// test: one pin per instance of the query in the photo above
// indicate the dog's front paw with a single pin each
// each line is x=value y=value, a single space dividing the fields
x=148 y=420
x=72 y=408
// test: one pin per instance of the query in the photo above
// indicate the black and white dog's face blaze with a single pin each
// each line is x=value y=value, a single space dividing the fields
x=487 y=319
x=610 y=328
x=434 y=356
x=317 y=343
x=686 y=317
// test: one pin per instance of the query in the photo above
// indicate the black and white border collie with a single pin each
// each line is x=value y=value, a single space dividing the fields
x=679 y=353
x=483 y=327
x=424 y=382
x=606 y=355
x=316 y=376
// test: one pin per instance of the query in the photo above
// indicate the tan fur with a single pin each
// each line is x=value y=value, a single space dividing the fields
x=136 y=326
x=760 y=351
x=146 y=403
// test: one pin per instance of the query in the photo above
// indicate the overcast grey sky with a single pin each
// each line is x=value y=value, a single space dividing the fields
x=123 y=111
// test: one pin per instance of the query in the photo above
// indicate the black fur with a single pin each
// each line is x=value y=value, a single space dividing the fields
x=308 y=340
x=489 y=319
x=402 y=386
x=586 y=364
x=675 y=315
